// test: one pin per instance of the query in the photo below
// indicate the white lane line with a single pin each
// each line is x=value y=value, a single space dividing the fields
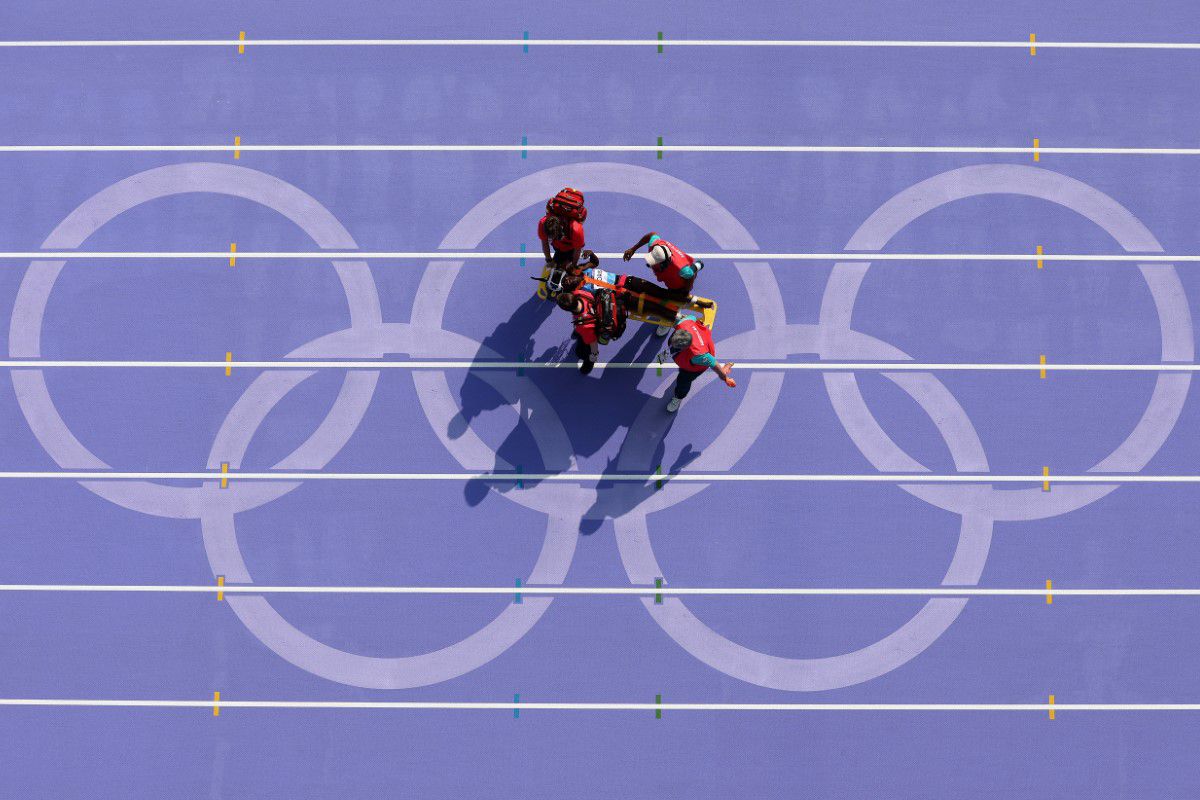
x=399 y=705
x=639 y=591
x=593 y=477
x=468 y=255
x=800 y=366
x=514 y=42
x=585 y=148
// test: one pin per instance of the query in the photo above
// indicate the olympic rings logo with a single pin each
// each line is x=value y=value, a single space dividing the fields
x=368 y=336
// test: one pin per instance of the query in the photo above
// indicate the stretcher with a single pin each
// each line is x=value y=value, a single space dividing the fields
x=550 y=283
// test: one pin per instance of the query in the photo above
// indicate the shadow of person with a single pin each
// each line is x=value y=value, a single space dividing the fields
x=593 y=409
x=512 y=340
x=617 y=498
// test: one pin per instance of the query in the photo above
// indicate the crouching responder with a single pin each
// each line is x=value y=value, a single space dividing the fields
x=675 y=269
x=599 y=317
x=691 y=346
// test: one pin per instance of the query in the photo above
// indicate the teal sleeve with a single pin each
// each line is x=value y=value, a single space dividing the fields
x=687 y=273
x=705 y=360
x=654 y=238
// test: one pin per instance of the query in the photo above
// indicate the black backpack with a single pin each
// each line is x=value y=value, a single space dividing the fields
x=610 y=316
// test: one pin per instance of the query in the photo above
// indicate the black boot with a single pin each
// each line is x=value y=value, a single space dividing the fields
x=587 y=366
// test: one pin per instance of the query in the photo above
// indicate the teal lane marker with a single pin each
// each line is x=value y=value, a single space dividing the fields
x=658 y=471
x=522 y=257
x=660 y=41
x=516 y=711
x=524 y=143
x=658 y=583
x=659 y=156
x=517 y=596
x=658 y=702
x=525 y=47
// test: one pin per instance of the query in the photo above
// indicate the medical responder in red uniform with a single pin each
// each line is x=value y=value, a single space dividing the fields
x=562 y=228
x=674 y=268
x=691 y=345
x=581 y=303
x=564 y=236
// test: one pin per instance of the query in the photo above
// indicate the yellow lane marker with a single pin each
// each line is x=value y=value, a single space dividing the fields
x=1046 y=475
x=233 y=255
x=220 y=582
x=1040 y=253
x=1033 y=44
x=1036 y=144
x=229 y=363
x=237 y=144
x=1042 y=371
x=217 y=704
x=241 y=38
x=1051 y=706
x=1049 y=595
x=224 y=474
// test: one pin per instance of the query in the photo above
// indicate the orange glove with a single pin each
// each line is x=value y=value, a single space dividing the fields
x=730 y=382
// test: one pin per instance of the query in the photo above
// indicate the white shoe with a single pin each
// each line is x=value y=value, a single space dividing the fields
x=662 y=330
x=673 y=406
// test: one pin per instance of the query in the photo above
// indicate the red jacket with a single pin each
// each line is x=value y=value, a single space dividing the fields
x=668 y=271
x=585 y=321
x=572 y=240
x=702 y=342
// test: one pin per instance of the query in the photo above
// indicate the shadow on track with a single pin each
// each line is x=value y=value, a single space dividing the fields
x=593 y=409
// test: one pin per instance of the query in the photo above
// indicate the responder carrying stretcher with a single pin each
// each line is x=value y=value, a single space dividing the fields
x=598 y=316
x=675 y=268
